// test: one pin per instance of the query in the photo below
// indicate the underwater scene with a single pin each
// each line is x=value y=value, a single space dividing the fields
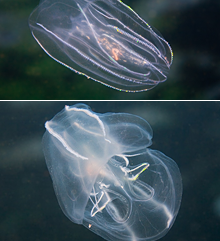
x=86 y=170
x=110 y=124
x=109 y=50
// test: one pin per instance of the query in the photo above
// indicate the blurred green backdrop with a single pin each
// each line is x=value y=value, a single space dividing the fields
x=27 y=72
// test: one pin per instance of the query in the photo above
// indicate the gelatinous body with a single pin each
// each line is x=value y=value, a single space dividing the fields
x=102 y=39
x=105 y=176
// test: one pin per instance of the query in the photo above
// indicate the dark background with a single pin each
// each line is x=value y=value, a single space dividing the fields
x=190 y=26
x=188 y=132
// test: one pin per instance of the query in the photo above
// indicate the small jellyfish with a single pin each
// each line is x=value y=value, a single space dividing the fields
x=106 y=177
x=104 y=40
